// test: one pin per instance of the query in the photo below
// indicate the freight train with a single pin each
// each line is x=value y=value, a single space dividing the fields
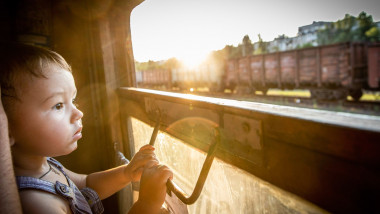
x=330 y=72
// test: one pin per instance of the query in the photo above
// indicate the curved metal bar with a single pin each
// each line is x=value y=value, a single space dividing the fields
x=156 y=128
x=173 y=187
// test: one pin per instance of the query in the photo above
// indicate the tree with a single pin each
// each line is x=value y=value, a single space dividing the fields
x=172 y=63
x=262 y=46
x=365 y=23
x=247 y=48
x=350 y=28
x=373 y=34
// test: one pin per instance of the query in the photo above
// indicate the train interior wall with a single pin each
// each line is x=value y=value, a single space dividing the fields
x=68 y=28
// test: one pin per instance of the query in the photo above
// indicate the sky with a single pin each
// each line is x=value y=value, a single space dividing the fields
x=191 y=29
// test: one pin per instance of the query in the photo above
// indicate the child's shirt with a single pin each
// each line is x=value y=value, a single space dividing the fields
x=81 y=201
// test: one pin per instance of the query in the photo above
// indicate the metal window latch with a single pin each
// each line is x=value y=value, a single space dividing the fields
x=174 y=188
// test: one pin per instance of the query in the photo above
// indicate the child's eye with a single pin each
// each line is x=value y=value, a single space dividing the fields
x=58 y=106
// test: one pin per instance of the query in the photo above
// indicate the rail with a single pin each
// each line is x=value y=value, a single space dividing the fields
x=330 y=159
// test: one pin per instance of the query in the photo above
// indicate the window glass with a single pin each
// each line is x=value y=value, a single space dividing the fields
x=253 y=50
x=227 y=188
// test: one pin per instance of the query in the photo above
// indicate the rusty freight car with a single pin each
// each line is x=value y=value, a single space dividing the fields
x=154 y=78
x=329 y=72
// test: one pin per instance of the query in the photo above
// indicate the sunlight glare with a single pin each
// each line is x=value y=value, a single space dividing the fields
x=193 y=60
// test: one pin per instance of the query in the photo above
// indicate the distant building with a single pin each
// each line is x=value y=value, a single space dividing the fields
x=281 y=43
x=313 y=28
x=306 y=35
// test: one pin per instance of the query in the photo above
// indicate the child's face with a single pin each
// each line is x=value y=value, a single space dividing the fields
x=45 y=122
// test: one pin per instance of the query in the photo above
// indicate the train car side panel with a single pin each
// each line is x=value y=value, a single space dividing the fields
x=288 y=68
x=244 y=75
x=374 y=66
x=231 y=74
x=358 y=65
x=344 y=65
x=334 y=65
x=156 y=78
x=139 y=78
x=271 y=69
x=308 y=66
x=257 y=72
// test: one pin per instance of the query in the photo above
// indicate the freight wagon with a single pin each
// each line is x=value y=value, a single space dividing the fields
x=157 y=78
x=330 y=72
x=206 y=76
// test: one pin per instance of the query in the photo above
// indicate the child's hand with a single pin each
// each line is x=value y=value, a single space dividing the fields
x=153 y=185
x=135 y=168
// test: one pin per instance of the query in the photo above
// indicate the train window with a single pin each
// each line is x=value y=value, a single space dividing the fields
x=240 y=50
x=270 y=57
x=225 y=190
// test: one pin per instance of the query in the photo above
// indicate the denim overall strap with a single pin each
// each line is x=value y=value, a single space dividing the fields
x=86 y=196
x=24 y=183
x=78 y=203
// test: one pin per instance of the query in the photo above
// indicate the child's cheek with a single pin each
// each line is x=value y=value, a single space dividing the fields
x=56 y=115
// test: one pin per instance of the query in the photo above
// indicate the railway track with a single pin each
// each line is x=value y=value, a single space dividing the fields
x=360 y=107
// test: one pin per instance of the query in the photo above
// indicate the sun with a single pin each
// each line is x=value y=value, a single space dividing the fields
x=192 y=61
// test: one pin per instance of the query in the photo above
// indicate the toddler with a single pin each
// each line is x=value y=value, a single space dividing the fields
x=38 y=93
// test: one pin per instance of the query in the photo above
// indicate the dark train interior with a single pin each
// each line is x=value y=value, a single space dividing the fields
x=262 y=158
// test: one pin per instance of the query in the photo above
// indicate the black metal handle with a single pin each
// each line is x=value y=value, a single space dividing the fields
x=173 y=187
x=156 y=128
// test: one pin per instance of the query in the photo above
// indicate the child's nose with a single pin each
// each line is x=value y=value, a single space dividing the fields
x=77 y=115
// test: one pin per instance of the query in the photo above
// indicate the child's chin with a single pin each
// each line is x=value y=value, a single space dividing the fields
x=74 y=146
x=71 y=148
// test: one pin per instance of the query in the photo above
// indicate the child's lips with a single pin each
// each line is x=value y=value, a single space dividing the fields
x=78 y=134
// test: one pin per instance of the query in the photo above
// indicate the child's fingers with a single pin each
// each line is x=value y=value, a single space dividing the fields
x=142 y=161
x=142 y=156
x=151 y=163
x=147 y=147
x=162 y=172
x=165 y=172
x=146 y=151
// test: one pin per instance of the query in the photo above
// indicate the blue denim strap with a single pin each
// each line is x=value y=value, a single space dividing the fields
x=24 y=183
x=77 y=201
